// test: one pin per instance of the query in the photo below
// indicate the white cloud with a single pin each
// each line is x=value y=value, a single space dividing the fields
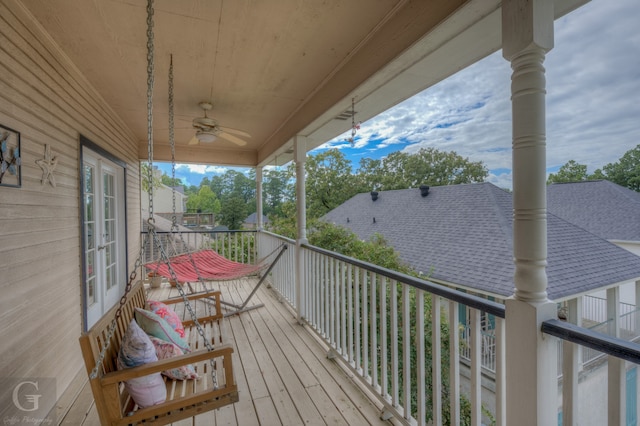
x=593 y=87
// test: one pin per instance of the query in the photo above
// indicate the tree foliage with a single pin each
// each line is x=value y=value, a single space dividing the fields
x=205 y=201
x=233 y=212
x=626 y=171
x=570 y=172
x=329 y=182
x=429 y=166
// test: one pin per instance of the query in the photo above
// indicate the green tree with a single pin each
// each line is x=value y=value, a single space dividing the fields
x=205 y=201
x=171 y=182
x=277 y=189
x=233 y=212
x=626 y=171
x=146 y=174
x=329 y=182
x=570 y=172
x=401 y=170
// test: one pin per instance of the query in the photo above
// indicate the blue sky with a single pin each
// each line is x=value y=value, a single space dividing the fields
x=593 y=103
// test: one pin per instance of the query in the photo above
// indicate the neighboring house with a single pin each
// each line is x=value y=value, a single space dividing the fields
x=609 y=211
x=461 y=236
x=601 y=207
x=251 y=222
x=163 y=199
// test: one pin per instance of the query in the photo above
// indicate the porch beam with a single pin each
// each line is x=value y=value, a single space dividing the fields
x=531 y=357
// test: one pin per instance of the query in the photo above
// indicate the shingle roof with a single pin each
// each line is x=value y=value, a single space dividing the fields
x=601 y=207
x=253 y=218
x=462 y=234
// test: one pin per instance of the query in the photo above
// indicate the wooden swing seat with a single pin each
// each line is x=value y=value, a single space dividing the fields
x=184 y=398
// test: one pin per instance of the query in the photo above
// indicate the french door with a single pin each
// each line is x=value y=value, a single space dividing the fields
x=104 y=234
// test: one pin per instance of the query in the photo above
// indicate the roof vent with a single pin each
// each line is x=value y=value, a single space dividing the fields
x=374 y=195
x=424 y=190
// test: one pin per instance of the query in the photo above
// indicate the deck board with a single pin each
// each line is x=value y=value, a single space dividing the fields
x=283 y=374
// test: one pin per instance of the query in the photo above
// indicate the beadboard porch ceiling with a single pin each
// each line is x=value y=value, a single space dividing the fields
x=273 y=69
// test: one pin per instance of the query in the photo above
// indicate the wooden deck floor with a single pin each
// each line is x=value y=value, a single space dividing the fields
x=283 y=374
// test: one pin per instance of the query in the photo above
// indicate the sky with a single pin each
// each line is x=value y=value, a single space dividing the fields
x=592 y=103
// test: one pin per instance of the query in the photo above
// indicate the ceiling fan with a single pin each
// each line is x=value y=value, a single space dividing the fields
x=208 y=130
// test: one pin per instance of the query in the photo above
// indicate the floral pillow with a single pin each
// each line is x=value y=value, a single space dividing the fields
x=165 y=350
x=136 y=349
x=163 y=311
x=158 y=327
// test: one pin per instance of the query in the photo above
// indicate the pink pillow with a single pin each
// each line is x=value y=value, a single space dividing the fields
x=166 y=350
x=163 y=311
x=136 y=349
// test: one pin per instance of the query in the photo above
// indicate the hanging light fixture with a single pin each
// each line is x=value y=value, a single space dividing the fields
x=206 y=136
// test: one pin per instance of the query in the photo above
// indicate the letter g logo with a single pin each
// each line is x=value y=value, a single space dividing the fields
x=32 y=399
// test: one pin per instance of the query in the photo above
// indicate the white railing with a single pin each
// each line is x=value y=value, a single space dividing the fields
x=605 y=393
x=383 y=326
x=238 y=246
x=282 y=277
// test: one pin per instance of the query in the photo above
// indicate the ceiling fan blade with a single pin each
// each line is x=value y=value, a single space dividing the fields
x=235 y=131
x=232 y=138
x=194 y=141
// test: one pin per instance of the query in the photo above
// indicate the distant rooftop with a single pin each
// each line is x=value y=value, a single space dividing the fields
x=601 y=207
x=462 y=234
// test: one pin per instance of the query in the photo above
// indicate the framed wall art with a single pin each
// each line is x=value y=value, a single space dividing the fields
x=10 y=169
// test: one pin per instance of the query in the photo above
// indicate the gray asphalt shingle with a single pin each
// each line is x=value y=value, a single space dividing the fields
x=601 y=207
x=462 y=234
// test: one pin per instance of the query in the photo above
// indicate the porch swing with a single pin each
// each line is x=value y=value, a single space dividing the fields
x=207 y=354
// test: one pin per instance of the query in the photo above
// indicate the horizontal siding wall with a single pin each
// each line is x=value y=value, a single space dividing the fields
x=45 y=98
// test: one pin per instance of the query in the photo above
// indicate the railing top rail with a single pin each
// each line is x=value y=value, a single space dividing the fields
x=592 y=339
x=279 y=237
x=204 y=231
x=472 y=301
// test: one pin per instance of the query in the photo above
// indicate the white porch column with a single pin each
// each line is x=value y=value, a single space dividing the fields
x=259 y=223
x=527 y=34
x=300 y=156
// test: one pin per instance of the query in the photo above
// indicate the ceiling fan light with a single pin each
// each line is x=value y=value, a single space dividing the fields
x=206 y=137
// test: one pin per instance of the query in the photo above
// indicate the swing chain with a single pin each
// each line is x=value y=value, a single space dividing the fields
x=174 y=227
x=150 y=81
x=192 y=313
x=174 y=224
x=138 y=264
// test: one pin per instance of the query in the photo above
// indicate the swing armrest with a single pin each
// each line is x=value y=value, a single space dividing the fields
x=213 y=298
x=223 y=351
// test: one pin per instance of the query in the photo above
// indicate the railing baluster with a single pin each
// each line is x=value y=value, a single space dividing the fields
x=454 y=364
x=420 y=358
x=350 y=312
x=406 y=352
x=373 y=331
x=365 y=331
x=476 y=346
x=343 y=313
x=357 y=318
x=331 y=304
x=383 y=339
x=394 y=344
x=436 y=361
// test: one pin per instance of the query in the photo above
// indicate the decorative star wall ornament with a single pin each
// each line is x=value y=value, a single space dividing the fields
x=48 y=164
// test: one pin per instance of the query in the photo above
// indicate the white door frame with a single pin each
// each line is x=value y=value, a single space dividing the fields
x=103 y=231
